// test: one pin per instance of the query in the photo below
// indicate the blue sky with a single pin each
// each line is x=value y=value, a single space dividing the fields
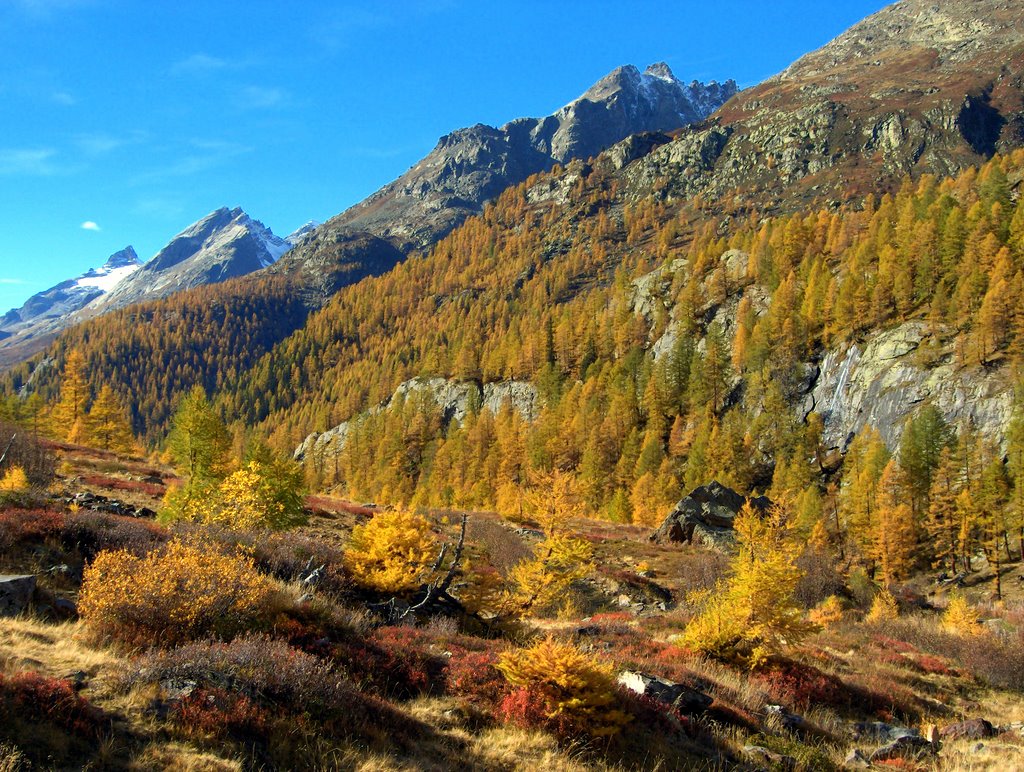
x=124 y=120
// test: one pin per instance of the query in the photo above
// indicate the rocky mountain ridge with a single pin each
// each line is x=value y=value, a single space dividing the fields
x=919 y=87
x=473 y=165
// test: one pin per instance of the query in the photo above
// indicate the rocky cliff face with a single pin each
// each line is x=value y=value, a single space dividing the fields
x=224 y=244
x=471 y=166
x=922 y=86
x=882 y=382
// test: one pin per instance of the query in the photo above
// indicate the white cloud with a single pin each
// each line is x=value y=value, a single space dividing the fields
x=89 y=225
x=27 y=161
x=64 y=98
x=13 y=281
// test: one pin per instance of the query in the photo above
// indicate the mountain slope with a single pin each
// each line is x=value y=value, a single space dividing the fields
x=26 y=330
x=473 y=165
x=223 y=245
x=919 y=87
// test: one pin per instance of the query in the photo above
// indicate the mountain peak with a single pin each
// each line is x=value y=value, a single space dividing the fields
x=125 y=257
x=473 y=165
x=661 y=71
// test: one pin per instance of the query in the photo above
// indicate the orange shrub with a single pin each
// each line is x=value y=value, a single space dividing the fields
x=178 y=593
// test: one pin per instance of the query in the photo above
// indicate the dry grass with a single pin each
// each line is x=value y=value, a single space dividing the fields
x=180 y=757
x=51 y=649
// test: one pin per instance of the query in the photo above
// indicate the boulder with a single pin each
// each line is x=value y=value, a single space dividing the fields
x=791 y=722
x=706 y=517
x=972 y=729
x=766 y=759
x=680 y=697
x=880 y=732
x=906 y=747
x=15 y=593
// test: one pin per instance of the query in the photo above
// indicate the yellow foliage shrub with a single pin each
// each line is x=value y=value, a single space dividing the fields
x=574 y=686
x=180 y=592
x=828 y=612
x=14 y=481
x=960 y=617
x=392 y=552
x=883 y=608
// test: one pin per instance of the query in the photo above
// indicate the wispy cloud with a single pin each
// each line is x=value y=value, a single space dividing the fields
x=336 y=30
x=13 y=281
x=198 y=156
x=64 y=98
x=46 y=8
x=167 y=207
x=90 y=225
x=36 y=162
x=260 y=98
x=199 y=64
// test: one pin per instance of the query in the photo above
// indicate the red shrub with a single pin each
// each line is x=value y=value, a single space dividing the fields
x=218 y=712
x=92 y=532
x=117 y=484
x=393 y=661
x=38 y=698
x=472 y=675
x=799 y=686
x=21 y=525
x=932 y=665
x=527 y=708
x=613 y=617
x=653 y=714
x=892 y=644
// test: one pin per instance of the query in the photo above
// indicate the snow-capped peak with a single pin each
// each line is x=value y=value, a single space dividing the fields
x=118 y=266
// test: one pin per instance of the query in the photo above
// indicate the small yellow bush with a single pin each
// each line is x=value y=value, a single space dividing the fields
x=391 y=553
x=180 y=592
x=883 y=608
x=960 y=617
x=574 y=686
x=828 y=612
x=14 y=481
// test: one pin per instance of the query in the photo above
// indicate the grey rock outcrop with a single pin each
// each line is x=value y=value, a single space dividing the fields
x=882 y=382
x=454 y=399
x=920 y=86
x=679 y=696
x=15 y=593
x=706 y=517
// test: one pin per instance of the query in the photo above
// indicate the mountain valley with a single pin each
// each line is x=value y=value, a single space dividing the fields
x=680 y=428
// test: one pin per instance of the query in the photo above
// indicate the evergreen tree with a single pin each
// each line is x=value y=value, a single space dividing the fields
x=69 y=414
x=199 y=442
x=924 y=437
x=108 y=424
